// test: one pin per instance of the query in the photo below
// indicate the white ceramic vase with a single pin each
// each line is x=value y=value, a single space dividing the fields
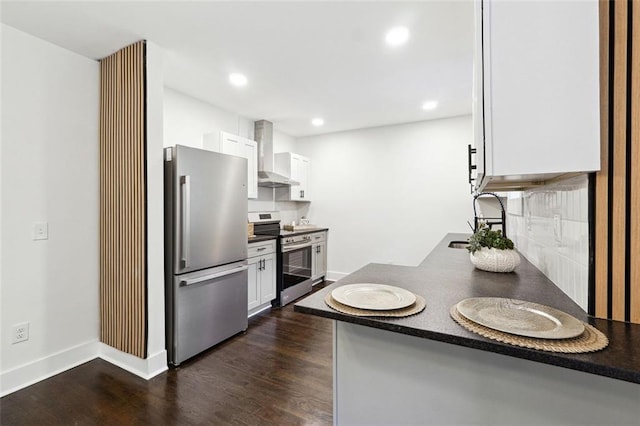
x=495 y=260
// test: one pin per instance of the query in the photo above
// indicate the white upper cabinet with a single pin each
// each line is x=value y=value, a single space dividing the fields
x=231 y=144
x=536 y=91
x=298 y=168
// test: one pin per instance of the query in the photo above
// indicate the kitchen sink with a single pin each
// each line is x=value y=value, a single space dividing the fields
x=459 y=244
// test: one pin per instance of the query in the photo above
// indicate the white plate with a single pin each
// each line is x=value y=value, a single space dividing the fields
x=378 y=297
x=521 y=318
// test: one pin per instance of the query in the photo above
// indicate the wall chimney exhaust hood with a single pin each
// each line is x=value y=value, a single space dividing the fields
x=263 y=134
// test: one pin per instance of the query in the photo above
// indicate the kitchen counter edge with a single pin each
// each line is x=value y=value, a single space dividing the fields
x=260 y=238
x=302 y=231
x=446 y=276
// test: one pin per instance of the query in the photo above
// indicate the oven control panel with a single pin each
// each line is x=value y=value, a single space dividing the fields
x=297 y=239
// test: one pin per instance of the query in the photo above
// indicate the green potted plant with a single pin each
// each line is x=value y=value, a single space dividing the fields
x=491 y=251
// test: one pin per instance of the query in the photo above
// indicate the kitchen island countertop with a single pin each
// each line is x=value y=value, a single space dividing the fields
x=446 y=276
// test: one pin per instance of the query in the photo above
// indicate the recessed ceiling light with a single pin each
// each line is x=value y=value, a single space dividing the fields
x=238 y=79
x=429 y=105
x=317 y=122
x=397 y=36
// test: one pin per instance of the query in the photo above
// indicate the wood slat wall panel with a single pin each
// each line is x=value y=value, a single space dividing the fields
x=123 y=201
x=635 y=168
x=617 y=186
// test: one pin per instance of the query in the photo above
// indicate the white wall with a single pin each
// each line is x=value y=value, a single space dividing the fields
x=558 y=247
x=187 y=119
x=50 y=99
x=389 y=194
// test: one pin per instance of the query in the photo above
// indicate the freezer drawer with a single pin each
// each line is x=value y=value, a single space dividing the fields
x=208 y=307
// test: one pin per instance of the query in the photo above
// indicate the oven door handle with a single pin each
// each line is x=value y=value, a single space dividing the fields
x=295 y=247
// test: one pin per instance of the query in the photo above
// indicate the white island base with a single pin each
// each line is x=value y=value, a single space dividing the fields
x=386 y=378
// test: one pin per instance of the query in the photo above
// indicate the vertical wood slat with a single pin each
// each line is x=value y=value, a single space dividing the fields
x=619 y=172
x=635 y=168
x=602 y=177
x=617 y=185
x=123 y=202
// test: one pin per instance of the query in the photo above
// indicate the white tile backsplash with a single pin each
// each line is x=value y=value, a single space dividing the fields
x=289 y=210
x=561 y=254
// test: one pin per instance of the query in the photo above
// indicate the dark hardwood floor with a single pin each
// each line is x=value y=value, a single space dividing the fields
x=277 y=373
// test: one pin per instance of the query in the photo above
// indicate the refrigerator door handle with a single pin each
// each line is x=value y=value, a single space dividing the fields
x=214 y=276
x=185 y=186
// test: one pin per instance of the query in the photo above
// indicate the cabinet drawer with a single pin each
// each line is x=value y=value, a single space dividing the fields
x=263 y=247
x=318 y=237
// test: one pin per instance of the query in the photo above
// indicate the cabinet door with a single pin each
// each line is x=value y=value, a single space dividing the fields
x=300 y=173
x=249 y=150
x=296 y=190
x=322 y=259
x=295 y=167
x=540 y=103
x=245 y=148
x=268 y=279
x=319 y=261
x=477 y=103
x=253 y=293
x=230 y=144
x=303 y=173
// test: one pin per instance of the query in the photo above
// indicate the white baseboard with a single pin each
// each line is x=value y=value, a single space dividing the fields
x=145 y=368
x=335 y=276
x=27 y=374
x=33 y=372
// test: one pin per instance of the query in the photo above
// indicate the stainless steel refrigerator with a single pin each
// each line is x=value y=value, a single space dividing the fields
x=205 y=249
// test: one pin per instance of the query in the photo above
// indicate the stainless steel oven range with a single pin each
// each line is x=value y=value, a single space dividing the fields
x=296 y=266
x=293 y=257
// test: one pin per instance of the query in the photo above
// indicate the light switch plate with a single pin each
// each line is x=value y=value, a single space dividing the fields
x=40 y=231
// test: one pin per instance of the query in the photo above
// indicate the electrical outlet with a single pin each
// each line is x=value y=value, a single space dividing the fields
x=20 y=332
x=40 y=231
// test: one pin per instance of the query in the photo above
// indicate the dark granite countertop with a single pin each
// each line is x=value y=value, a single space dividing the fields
x=446 y=276
x=283 y=233
x=260 y=238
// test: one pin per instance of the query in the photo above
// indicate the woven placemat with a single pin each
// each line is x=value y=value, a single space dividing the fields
x=591 y=340
x=417 y=307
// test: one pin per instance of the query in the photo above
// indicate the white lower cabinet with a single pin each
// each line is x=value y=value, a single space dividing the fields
x=318 y=256
x=262 y=275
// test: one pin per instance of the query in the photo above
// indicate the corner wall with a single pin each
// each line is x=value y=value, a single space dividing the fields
x=156 y=359
x=399 y=189
x=50 y=99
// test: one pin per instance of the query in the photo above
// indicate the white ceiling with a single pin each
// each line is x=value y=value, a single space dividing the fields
x=303 y=59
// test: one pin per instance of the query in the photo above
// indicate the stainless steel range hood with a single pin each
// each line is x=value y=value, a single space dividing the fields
x=263 y=134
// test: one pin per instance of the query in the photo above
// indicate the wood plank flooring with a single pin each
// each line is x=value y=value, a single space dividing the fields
x=277 y=373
